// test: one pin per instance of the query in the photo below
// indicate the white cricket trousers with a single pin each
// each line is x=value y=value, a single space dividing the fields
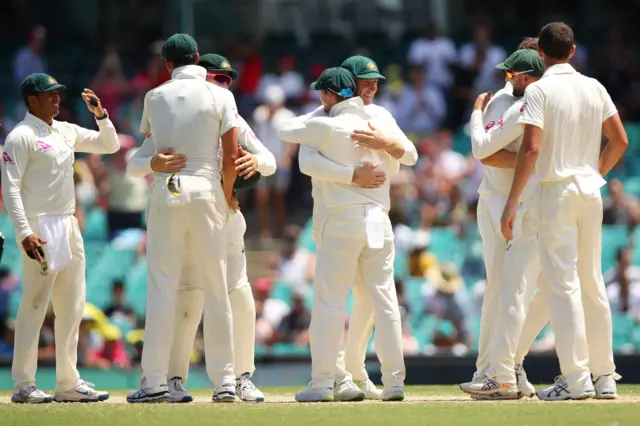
x=515 y=286
x=67 y=291
x=190 y=304
x=570 y=257
x=490 y=208
x=343 y=249
x=353 y=353
x=198 y=225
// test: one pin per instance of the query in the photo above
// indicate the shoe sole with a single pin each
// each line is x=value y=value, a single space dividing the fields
x=570 y=398
x=485 y=393
x=326 y=399
x=356 y=398
x=48 y=400
x=182 y=400
x=496 y=397
x=83 y=400
x=395 y=398
x=224 y=397
x=150 y=399
x=607 y=396
x=252 y=400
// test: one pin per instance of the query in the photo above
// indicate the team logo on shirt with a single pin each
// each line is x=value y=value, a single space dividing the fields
x=6 y=159
x=490 y=125
x=500 y=122
x=523 y=107
x=225 y=64
x=44 y=146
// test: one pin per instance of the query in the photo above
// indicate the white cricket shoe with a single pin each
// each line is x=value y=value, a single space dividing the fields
x=496 y=397
x=315 y=394
x=247 y=391
x=605 y=386
x=348 y=391
x=477 y=379
x=560 y=392
x=490 y=386
x=525 y=388
x=84 y=392
x=30 y=395
x=146 y=394
x=393 y=393
x=177 y=392
x=226 y=393
x=370 y=390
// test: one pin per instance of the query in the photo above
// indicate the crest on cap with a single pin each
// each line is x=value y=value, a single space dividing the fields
x=51 y=80
x=372 y=66
x=225 y=64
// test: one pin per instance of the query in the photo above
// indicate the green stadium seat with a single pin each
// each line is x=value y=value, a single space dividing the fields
x=446 y=245
x=282 y=291
x=623 y=327
x=289 y=349
x=614 y=237
x=400 y=264
x=425 y=330
x=96 y=227
x=413 y=296
x=632 y=186
x=305 y=240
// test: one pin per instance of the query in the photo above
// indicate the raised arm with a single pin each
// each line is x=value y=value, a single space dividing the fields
x=103 y=141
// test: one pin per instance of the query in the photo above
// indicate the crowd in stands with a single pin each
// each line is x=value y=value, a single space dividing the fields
x=440 y=273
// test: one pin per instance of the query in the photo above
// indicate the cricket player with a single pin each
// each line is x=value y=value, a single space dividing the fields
x=187 y=215
x=564 y=115
x=189 y=304
x=513 y=268
x=355 y=235
x=38 y=191
x=312 y=163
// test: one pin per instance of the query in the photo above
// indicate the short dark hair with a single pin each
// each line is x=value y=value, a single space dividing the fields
x=189 y=59
x=556 y=40
x=529 y=43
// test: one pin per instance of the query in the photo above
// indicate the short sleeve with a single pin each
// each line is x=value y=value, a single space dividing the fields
x=229 y=117
x=532 y=110
x=609 y=109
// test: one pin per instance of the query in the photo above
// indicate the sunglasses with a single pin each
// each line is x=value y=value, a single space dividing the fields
x=221 y=78
x=511 y=74
x=173 y=185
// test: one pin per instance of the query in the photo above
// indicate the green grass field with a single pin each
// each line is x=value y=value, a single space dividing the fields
x=425 y=405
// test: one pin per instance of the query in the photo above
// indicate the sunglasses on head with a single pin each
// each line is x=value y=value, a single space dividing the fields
x=221 y=78
x=511 y=74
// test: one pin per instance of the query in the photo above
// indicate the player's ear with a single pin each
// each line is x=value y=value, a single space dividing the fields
x=197 y=58
x=572 y=52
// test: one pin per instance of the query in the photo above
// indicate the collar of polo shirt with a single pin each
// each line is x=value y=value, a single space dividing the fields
x=32 y=119
x=560 y=69
x=189 y=71
x=355 y=102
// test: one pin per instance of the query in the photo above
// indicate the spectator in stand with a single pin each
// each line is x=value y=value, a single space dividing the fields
x=620 y=208
x=435 y=54
x=250 y=69
x=272 y=190
x=7 y=123
x=623 y=285
x=297 y=265
x=285 y=76
x=422 y=106
x=294 y=327
x=269 y=311
x=119 y=312
x=29 y=59
x=155 y=72
x=615 y=63
x=111 y=82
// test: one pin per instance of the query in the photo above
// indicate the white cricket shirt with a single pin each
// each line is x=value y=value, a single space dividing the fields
x=331 y=137
x=37 y=170
x=190 y=115
x=570 y=108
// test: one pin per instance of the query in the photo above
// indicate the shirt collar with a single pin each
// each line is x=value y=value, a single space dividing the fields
x=355 y=102
x=189 y=71
x=35 y=121
x=560 y=69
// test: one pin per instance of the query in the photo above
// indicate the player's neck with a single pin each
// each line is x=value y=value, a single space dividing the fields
x=548 y=63
x=48 y=120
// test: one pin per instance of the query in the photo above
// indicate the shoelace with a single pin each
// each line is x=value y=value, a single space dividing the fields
x=30 y=389
x=178 y=386
x=558 y=379
x=246 y=383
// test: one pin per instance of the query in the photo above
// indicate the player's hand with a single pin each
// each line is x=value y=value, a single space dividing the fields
x=168 y=162
x=482 y=100
x=31 y=245
x=507 y=219
x=368 y=177
x=247 y=164
x=372 y=139
x=87 y=95
x=233 y=204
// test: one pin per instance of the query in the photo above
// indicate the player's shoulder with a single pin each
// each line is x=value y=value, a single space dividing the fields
x=538 y=88
x=378 y=111
x=22 y=132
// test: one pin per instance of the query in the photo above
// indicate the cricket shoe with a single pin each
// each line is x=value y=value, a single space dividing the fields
x=149 y=394
x=30 y=395
x=315 y=394
x=477 y=379
x=369 y=389
x=247 y=391
x=393 y=393
x=84 y=392
x=560 y=392
x=496 y=397
x=348 y=391
x=226 y=393
x=177 y=392
x=525 y=388
x=605 y=386
x=489 y=386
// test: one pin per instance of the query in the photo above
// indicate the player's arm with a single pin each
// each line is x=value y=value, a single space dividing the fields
x=312 y=133
x=139 y=165
x=103 y=141
x=266 y=162
x=502 y=159
x=317 y=166
x=395 y=142
x=614 y=131
x=229 y=129
x=486 y=141
x=17 y=149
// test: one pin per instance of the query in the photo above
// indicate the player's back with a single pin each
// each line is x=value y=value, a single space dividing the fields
x=575 y=107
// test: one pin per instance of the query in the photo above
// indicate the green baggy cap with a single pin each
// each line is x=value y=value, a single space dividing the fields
x=362 y=67
x=39 y=83
x=336 y=80
x=524 y=61
x=217 y=63
x=177 y=46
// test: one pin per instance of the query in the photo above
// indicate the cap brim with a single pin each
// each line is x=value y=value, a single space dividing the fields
x=502 y=66
x=371 y=75
x=313 y=86
x=55 y=86
x=233 y=74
